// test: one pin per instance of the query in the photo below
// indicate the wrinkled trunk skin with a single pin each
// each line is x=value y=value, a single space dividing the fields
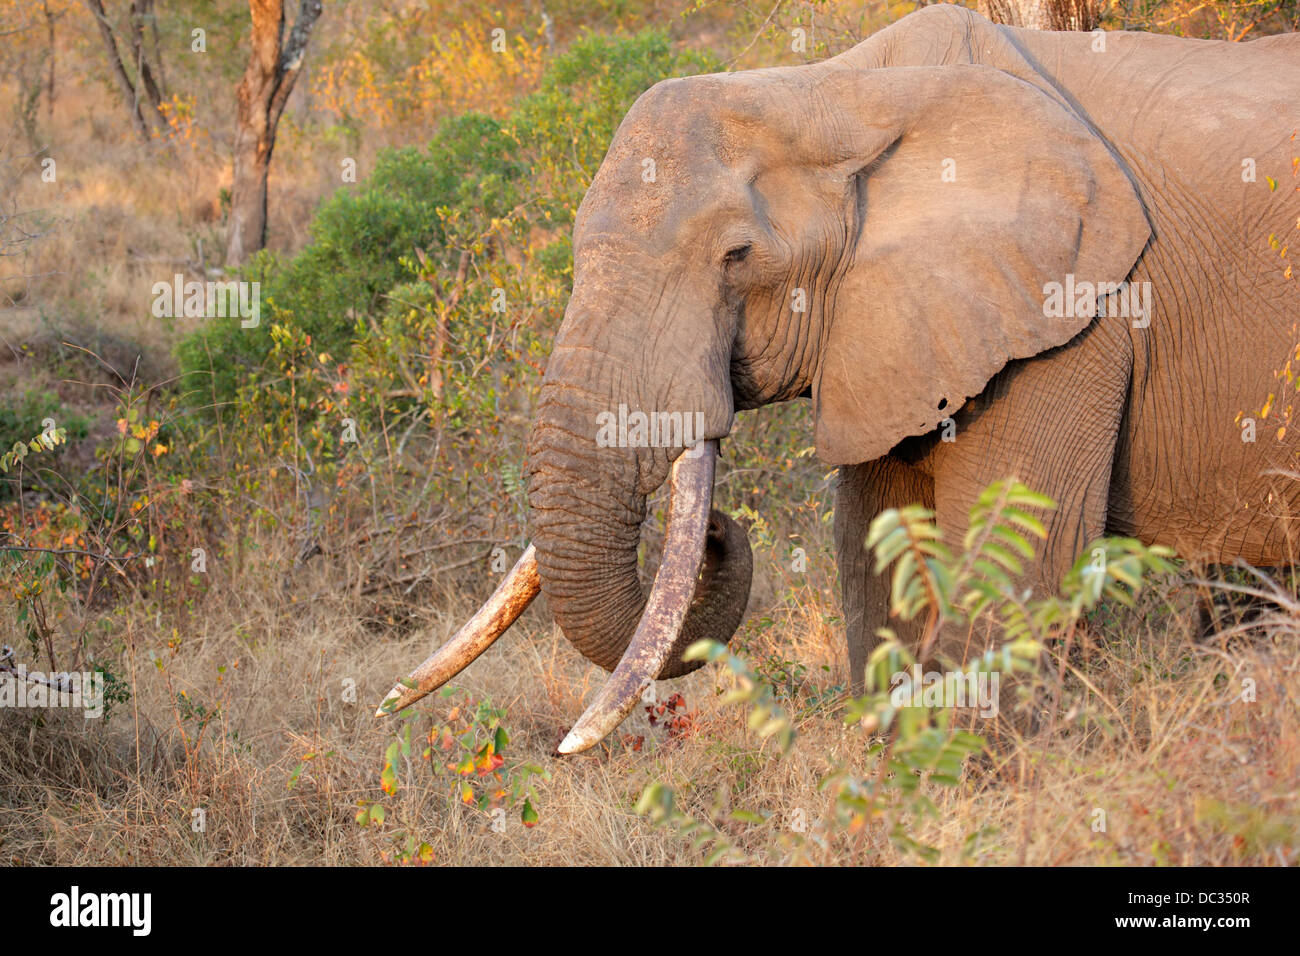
x=587 y=505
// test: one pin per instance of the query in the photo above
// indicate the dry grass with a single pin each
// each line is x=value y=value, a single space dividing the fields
x=1185 y=771
x=120 y=216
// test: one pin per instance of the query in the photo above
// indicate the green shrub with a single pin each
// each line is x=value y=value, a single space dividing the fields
x=917 y=745
x=482 y=187
x=25 y=415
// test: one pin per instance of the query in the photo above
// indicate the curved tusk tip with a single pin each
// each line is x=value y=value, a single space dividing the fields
x=572 y=744
x=392 y=703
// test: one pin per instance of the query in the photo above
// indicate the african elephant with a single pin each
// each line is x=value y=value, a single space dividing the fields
x=1054 y=247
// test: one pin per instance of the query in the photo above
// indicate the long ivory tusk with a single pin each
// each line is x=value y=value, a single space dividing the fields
x=507 y=602
x=661 y=621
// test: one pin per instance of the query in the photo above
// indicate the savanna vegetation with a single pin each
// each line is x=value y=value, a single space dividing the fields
x=250 y=528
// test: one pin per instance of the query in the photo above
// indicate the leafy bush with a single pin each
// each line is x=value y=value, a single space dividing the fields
x=29 y=414
x=919 y=745
x=497 y=190
x=468 y=765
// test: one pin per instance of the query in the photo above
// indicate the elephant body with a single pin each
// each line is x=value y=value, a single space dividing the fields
x=1136 y=429
x=905 y=235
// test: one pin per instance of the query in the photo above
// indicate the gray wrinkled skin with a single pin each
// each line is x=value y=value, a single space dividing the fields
x=876 y=233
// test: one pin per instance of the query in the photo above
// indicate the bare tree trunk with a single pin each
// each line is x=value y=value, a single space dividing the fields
x=1044 y=14
x=140 y=11
x=143 y=70
x=268 y=80
x=51 y=19
x=124 y=86
x=156 y=52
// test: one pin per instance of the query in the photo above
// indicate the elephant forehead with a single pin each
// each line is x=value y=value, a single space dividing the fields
x=672 y=154
x=649 y=180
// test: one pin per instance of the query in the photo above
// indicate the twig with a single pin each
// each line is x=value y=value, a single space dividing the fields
x=418 y=576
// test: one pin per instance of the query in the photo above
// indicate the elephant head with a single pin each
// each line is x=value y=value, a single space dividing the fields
x=877 y=240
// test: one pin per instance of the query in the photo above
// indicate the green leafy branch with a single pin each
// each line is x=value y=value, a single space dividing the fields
x=916 y=742
x=658 y=805
x=920 y=742
x=47 y=440
x=766 y=716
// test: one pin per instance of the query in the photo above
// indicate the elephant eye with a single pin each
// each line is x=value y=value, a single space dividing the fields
x=738 y=254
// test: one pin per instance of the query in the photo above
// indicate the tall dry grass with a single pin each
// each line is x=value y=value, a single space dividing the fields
x=1184 y=770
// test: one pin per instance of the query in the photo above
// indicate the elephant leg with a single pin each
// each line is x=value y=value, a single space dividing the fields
x=861 y=493
x=1053 y=422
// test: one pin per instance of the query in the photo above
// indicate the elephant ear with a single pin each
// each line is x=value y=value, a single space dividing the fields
x=973 y=191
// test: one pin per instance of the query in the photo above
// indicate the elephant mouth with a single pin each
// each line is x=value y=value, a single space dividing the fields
x=689 y=526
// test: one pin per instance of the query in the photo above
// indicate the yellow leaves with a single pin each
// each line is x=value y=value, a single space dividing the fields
x=488 y=761
x=137 y=436
x=145 y=432
x=456 y=70
x=1275 y=243
x=1268 y=406
x=423 y=854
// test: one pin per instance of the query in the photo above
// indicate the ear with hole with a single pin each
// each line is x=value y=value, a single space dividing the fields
x=975 y=191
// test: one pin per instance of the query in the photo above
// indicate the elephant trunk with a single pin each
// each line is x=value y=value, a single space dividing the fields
x=586 y=524
x=587 y=518
x=587 y=506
